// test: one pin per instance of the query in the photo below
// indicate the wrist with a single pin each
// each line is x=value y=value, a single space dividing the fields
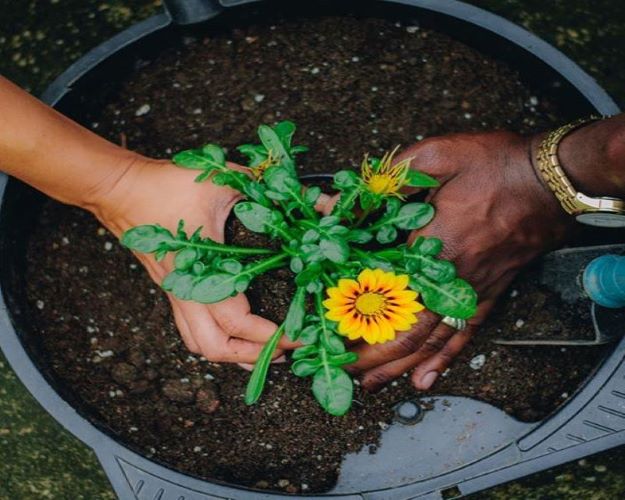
x=593 y=158
x=111 y=196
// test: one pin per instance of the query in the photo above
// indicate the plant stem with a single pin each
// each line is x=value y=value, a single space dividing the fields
x=389 y=254
x=363 y=216
x=218 y=247
x=265 y=265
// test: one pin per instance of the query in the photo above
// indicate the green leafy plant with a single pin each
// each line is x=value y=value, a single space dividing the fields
x=361 y=283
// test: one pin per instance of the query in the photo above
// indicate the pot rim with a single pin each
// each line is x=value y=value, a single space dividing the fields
x=544 y=445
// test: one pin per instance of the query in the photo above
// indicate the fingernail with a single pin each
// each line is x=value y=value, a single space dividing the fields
x=428 y=379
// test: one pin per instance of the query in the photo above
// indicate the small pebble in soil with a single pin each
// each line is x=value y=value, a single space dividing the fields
x=178 y=391
x=123 y=373
x=601 y=468
x=143 y=110
x=40 y=304
x=477 y=362
x=259 y=98
x=519 y=323
x=206 y=400
x=108 y=246
x=101 y=231
x=283 y=483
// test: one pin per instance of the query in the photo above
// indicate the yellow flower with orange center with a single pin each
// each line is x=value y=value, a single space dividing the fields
x=373 y=307
x=385 y=178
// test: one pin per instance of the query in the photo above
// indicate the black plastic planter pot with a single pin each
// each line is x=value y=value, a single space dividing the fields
x=463 y=446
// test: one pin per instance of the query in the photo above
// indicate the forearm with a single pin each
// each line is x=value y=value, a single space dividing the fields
x=593 y=157
x=54 y=154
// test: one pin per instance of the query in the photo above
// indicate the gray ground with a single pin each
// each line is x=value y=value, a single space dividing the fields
x=39 y=38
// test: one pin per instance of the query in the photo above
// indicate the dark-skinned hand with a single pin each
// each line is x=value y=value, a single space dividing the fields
x=494 y=216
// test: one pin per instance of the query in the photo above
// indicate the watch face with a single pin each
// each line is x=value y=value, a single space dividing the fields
x=602 y=219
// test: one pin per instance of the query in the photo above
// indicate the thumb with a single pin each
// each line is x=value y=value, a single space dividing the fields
x=436 y=156
x=325 y=203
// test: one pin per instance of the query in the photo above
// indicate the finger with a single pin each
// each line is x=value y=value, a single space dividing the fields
x=235 y=318
x=212 y=341
x=429 y=370
x=325 y=203
x=183 y=327
x=406 y=343
x=376 y=378
x=278 y=357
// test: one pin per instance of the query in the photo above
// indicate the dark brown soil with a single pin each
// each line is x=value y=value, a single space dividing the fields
x=351 y=86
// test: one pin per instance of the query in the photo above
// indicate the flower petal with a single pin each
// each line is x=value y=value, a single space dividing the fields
x=348 y=287
x=367 y=280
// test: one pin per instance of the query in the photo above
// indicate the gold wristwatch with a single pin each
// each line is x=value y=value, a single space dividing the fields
x=600 y=211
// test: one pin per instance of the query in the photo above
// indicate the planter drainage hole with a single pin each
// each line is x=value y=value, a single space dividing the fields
x=408 y=412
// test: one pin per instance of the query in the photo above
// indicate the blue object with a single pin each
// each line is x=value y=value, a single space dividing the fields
x=604 y=281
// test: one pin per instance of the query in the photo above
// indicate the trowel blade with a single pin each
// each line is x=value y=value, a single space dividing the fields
x=561 y=270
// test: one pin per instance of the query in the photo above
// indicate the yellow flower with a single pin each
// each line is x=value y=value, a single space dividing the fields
x=373 y=307
x=264 y=165
x=386 y=178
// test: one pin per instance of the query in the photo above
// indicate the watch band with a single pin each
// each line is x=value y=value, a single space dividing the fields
x=551 y=170
x=572 y=201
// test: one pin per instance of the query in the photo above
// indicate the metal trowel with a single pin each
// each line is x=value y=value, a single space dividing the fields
x=595 y=275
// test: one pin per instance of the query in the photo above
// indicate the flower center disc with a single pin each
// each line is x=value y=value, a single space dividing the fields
x=370 y=303
x=381 y=184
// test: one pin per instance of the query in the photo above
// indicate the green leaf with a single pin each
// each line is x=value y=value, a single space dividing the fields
x=255 y=217
x=306 y=367
x=170 y=280
x=214 y=153
x=345 y=179
x=419 y=179
x=256 y=383
x=183 y=287
x=214 y=288
x=347 y=358
x=373 y=262
x=147 y=238
x=359 y=236
x=272 y=142
x=209 y=157
x=455 y=298
x=285 y=130
x=309 y=335
x=333 y=343
x=185 y=258
x=329 y=221
x=334 y=249
x=441 y=271
x=295 y=316
x=413 y=216
x=305 y=352
x=311 y=253
x=310 y=236
x=333 y=389
x=296 y=265
x=309 y=273
x=386 y=234
x=338 y=230
x=230 y=266
x=314 y=286
x=256 y=192
x=242 y=282
x=427 y=246
x=255 y=153
x=282 y=180
x=312 y=194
